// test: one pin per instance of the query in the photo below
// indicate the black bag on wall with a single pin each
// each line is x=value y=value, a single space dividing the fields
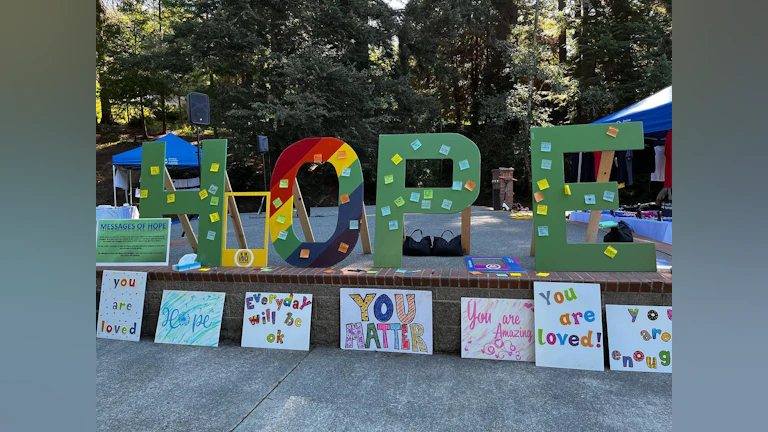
x=443 y=247
x=619 y=234
x=412 y=247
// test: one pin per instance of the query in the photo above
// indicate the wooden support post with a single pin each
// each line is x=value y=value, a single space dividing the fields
x=466 y=216
x=301 y=212
x=235 y=213
x=603 y=175
x=365 y=236
x=533 y=239
x=191 y=237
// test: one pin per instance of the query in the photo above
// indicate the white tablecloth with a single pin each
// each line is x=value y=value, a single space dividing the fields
x=125 y=212
x=661 y=231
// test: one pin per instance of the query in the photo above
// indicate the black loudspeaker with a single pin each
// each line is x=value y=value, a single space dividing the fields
x=197 y=109
x=263 y=144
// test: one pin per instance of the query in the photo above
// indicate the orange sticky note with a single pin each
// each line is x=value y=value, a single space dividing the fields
x=304 y=253
x=612 y=131
x=171 y=198
x=342 y=155
x=475 y=273
x=541 y=209
x=203 y=194
x=397 y=159
x=319 y=157
x=543 y=184
x=214 y=217
x=214 y=167
x=328 y=271
x=610 y=251
x=343 y=247
x=567 y=190
x=143 y=193
x=538 y=196
x=155 y=170
x=470 y=185
x=344 y=198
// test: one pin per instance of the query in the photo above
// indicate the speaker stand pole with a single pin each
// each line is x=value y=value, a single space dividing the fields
x=199 y=162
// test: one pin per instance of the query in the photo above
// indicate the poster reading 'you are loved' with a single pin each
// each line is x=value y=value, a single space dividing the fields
x=121 y=305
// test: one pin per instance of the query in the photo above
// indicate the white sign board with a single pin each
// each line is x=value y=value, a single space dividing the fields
x=277 y=320
x=640 y=338
x=497 y=329
x=569 y=325
x=121 y=305
x=389 y=320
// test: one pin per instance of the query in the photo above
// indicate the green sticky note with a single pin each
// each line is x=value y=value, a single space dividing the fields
x=214 y=201
x=284 y=184
x=428 y=194
x=399 y=201
x=389 y=179
x=277 y=202
x=281 y=219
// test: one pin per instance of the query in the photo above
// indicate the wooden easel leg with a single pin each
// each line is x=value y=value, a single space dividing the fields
x=603 y=175
x=466 y=239
x=533 y=239
x=301 y=212
x=235 y=213
x=191 y=237
x=365 y=235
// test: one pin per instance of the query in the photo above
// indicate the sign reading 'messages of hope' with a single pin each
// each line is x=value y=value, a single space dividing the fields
x=386 y=320
x=569 y=325
x=190 y=318
x=121 y=305
x=497 y=329
x=124 y=242
x=640 y=338
x=275 y=320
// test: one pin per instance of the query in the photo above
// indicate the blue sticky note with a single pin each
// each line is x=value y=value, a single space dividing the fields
x=415 y=196
x=283 y=235
x=463 y=164
x=385 y=211
x=501 y=274
x=426 y=204
x=211 y=235
x=345 y=172
x=444 y=150
x=392 y=225
x=456 y=186
x=354 y=224
x=543 y=231
x=608 y=196
x=447 y=204
x=546 y=164
x=416 y=144
x=589 y=199
x=546 y=147
x=399 y=271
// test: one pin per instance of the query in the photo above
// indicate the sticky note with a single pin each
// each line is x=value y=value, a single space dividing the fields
x=444 y=149
x=399 y=201
x=329 y=271
x=143 y=193
x=214 y=201
x=447 y=204
x=345 y=172
x=171 y=198
x=204 y=269
x=354 y=224
x=456 y=185
x=266 y=269
x=399 y=271
x=589 y=199
x=546 y=164
x=501 y=274
x=280 y=219
x=463 y=164
x=397 y=158
x=282 y=235
x=155 y=170
x=284 y=184
x=608 y=196
x=213 y=189
x=214 y=167
x=541 y=209
x=542 y=274
x=372 y=271
x=386 y=211
x=543 y=231
x=415 y=196
x=470 y=185
x=211 y=235
x=304 y=253
x=343 y=247
x=341 y=155
x=318 y=158
x=622 y=185
x=538 y=196
x=516 y=274
x=416 y=144
x=392 y=225
x=475 y=273
x=567 y=190
x=428 y=193
x=389 y=179
x=612 y=131
x=203 y=194
x=543 y=184
x=214 y=217
x=611 y=251
x=426 y=204
x=345 y=198
x=277 y=202
x=546 y=147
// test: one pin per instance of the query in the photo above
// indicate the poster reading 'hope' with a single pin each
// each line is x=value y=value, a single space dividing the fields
x=386 y=320
x=277 y=320
x=569 y=325
x=497 y=329
x=190 y=318
x=640 y=338
x=121 y=305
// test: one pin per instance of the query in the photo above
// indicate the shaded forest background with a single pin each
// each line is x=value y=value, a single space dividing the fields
x=355 y=69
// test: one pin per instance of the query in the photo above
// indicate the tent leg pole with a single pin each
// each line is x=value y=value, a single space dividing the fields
x=114 y=189
x=130 y=184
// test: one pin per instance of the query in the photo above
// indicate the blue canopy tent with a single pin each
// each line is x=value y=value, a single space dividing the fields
x=654 y=111
x=180 y=155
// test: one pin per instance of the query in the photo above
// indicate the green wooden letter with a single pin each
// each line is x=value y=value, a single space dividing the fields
x=553 y=253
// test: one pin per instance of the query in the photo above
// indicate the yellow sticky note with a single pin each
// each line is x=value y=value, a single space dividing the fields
x=516 y=274
x=171 y=198
x=610 y=251
x=567 y=190
x=214 y=167
x=389 y=179
x=541 y=209
x=280 y=219
x=203 y=194
x=543 y=184
x=542 y=274
x=397 y=159
x=622 y=185
x=143 y=193
x=204 y=269
x=155 y=170
x=214 y=217
x=284 y=184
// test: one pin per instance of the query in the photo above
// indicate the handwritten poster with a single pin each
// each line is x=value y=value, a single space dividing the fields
x=569 y=325
x=277 y=320
x=121 y=305
x=640 y=338
x=386 y=320
x=190 y=318
x=497 y=329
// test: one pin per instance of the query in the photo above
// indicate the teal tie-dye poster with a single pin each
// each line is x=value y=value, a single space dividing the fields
x=190 y=318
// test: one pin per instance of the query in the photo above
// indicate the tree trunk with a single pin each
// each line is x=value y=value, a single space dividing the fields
x=162 y=105
x=562 y=52
x=143 y=119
